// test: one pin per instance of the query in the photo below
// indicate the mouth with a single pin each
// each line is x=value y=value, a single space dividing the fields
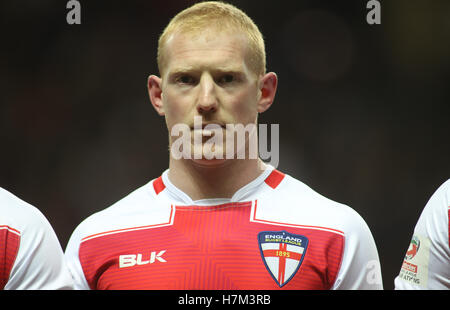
x=212 y=127
x=207 y=132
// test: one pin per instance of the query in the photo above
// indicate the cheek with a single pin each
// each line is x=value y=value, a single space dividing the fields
x=245 y=107
x=175 y=109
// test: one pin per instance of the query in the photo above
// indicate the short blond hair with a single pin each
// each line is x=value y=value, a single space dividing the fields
x=219 y=16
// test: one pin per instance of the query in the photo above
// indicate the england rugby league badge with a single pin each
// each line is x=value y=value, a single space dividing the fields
x=282 y=253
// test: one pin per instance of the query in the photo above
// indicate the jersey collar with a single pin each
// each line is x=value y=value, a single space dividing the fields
x=239 y=195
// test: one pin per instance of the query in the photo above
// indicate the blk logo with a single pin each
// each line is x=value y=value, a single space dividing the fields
x=130 y=260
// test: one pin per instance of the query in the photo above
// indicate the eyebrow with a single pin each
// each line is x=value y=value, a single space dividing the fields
x=223 y=69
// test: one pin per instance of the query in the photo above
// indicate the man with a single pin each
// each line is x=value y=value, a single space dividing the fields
x=215 y=219
x=427 y=261
x=31 y=257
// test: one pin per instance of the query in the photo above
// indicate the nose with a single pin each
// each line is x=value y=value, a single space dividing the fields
x=207 y=100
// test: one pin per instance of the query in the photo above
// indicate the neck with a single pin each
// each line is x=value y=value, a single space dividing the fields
x=207 y=179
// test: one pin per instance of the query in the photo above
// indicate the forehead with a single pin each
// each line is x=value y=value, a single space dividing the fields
x=206 y=50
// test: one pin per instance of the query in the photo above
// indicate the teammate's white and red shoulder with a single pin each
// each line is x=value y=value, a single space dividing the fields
x=427 y=260
x=274 y=233
x=31 y=257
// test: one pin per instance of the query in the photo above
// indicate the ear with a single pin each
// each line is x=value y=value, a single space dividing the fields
x=268 y=87
x=155 y=93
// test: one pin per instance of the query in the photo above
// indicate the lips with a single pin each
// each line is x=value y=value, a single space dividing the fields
x=206 y=124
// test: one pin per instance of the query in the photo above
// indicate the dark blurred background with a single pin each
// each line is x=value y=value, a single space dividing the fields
x=363 y=109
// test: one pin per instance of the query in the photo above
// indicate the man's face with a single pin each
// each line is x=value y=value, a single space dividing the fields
x=208 y=76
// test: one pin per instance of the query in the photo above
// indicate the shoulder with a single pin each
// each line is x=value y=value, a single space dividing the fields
x=35 y=254
x=20 y=215
x=434 y=219
x=298 y=202
x=130 y=211
x=445 y=187
x=441 y=197
x=295 y=204
x=436 y=211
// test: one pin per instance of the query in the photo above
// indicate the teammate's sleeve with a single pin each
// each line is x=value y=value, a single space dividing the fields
x=39 y=263
x=360 y=267
x=73 y=260
x=426 y=264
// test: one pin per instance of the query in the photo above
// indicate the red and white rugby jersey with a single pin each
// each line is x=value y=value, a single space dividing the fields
x=274 y=233
x=427 y=260
x=31 y=257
